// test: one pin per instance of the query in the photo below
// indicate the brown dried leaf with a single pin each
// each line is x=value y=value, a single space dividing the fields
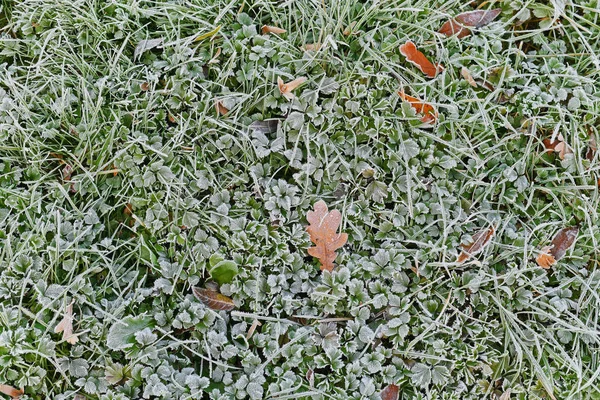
x=390 y=392
x=414 y=56
x=311 y=47
x=272 y=29
x=592 y=147
x=322 y=230
x=66 y=326
x=430 y=114
x=563 y=240
x=213 y=300
x=349 y=29
x=468 y=77
x=144 y=86
x=557 y=145
x=286 y=88
x=480 y=240
x=460 y=24
x=221 y=109
x=11 y=391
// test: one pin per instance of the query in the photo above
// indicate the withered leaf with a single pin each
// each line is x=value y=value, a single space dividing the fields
x=11 y=391
x=562 y=241
x=286 y=88
x=460 y=24
x=145 y=45
x=268 y=126
x=557 y=145
x=213 y=300
x=221 y=109
x=592 y=147
x=414 y=56
x=464 y=71
x=323 y=233
x=430 y=114
x=480 y=240
x=66 y=326
x=390 y=392
x=272 y=29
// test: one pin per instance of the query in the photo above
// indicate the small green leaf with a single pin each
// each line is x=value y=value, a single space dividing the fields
x=121 y=335
x=224 y=271
x=215 y=259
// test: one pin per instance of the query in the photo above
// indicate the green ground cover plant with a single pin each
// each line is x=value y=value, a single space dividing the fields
x=147 y=149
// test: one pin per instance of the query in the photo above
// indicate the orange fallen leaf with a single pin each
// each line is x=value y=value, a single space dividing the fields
x=323 y=233
x=286 y=88
x=11 y=391
x=430 y=114
x=480 y=240
x=213 y=300
x=221 y=109
x=66 y=326
x=460 y=24
x=545 y=259
x=464 y=71
x=409 y=50
x=272 y=29
x=390 y=392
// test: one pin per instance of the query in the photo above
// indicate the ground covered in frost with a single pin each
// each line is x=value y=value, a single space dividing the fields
x=122 y=186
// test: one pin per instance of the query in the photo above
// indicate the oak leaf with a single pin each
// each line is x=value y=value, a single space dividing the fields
x=563 y=240
x=460 y=24
x=480 y=240
x=430 y=114
x=213 y=300
x=323 y=233
x=409 y=50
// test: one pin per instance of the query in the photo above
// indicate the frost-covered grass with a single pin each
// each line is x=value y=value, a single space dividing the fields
x=119 y=181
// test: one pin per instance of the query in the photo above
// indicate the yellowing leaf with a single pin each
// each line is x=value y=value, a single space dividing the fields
x=323 y=233
x=208 y=34
x=213 y=300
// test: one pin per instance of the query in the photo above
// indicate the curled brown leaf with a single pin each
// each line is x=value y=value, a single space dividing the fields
x=272 y=29
x=562 y=241
x=213 y=300
x=480 y=240
x=286 y=88
x=221 y=109
x=460 y=24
